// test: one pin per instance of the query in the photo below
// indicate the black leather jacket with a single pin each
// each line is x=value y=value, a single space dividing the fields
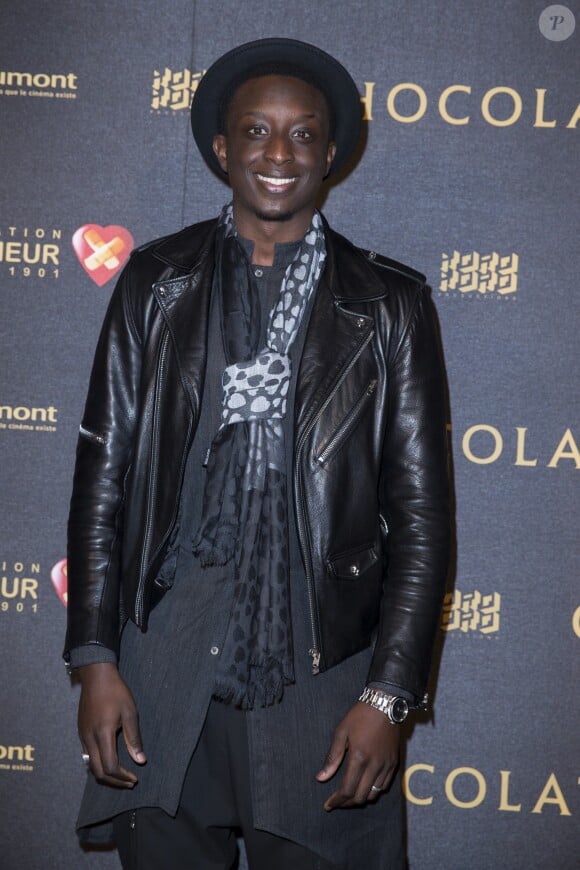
x=369 y=453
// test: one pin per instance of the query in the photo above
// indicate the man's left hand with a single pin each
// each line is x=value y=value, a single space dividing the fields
x=371 y=746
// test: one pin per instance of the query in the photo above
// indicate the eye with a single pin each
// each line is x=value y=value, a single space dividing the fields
x=304 y=135
x=257 y=130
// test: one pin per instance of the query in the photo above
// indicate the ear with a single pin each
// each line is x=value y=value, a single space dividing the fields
x=331 y=151
x=221 y=151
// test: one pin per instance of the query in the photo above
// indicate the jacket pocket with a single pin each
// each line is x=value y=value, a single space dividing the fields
x=347 y=425
x=352 y=564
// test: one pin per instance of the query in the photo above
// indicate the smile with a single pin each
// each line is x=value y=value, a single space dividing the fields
x=275 y=180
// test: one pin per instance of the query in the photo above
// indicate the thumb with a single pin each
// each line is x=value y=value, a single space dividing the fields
x=334 y=757
x=132 y=736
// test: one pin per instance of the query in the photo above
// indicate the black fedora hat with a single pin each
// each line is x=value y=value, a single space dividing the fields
x=319 y=67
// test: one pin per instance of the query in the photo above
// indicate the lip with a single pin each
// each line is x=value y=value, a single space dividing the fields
x=276 y=183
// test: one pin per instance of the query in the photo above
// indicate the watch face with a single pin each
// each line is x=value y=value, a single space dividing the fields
x=399 y=710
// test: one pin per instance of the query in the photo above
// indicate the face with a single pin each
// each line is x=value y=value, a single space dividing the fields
x=276 y=153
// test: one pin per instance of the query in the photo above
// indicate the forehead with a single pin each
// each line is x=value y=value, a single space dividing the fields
x=274 y=92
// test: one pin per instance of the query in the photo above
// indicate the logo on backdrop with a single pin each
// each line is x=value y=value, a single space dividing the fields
x=102 y=251
x=501 y=106
x=46 y=85
x=483 y=444
x=19 y=587
x=467 y=788
x=406 y=102
x=30 y=252
x=17 y=758
x=23 y=418
x=477 y=276
x=59 y=577
x=557 y=23
x=173 y=91
x=471 y=612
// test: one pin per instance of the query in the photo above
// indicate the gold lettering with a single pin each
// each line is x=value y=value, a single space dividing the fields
x=481 y=790
x=28 y=586
x=18 y=252
x=571 y=125
x=367 y=101
x=576 y=622
x=27 y=257
x=407 y=86
x=17 y=753
x=5 y=591
x=504 y=803
x=41 y=80
x=452 y=119
x=22 y=413
x=521 y=449
x=50 y=252
x=406 y=784
x=487 y=98
x=12 y=254
x=540 y=122
x=19 y=79
x=561 y=452
x=558 y=798
x=482 y=460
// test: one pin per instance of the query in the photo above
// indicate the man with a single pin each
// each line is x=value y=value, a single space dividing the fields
x=259 y=522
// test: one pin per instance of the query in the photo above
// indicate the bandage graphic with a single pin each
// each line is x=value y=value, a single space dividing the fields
x=104 y=253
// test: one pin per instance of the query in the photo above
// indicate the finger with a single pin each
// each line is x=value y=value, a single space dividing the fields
x=105 y=762
x=334 y=757
x=375 y=793
x=132 y=737
x=350 y=791
x=384 y=781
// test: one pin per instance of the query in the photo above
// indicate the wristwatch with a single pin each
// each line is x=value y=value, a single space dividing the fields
x=396 y=709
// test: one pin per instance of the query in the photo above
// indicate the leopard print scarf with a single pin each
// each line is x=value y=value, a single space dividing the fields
x=244 y=515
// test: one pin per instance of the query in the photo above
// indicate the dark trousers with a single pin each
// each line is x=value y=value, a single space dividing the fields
x=215 y=809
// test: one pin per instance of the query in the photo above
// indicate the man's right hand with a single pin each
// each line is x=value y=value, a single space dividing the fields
x=106 y=707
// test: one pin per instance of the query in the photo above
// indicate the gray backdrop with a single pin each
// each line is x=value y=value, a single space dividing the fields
x=470 y=174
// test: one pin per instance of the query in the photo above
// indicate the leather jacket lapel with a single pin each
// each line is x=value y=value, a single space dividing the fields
x=334 y=337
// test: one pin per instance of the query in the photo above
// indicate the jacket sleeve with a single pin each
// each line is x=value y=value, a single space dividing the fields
x=102 y=461
x=415 y=502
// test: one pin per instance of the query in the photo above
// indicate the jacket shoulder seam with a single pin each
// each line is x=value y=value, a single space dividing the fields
x=395 y=266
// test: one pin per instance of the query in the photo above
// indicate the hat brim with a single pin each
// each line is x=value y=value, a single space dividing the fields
x=336 y=82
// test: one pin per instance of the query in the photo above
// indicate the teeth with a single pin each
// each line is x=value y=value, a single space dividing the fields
x=277 y=182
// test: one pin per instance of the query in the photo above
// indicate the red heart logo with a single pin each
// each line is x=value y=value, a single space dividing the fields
x=102 y=251
x=59 y=577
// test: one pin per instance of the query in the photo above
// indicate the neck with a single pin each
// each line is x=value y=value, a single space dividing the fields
x=267 y=234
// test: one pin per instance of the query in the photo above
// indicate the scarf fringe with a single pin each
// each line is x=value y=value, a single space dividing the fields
x=267 y=690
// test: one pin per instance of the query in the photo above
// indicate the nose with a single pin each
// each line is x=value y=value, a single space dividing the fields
x=279 y=149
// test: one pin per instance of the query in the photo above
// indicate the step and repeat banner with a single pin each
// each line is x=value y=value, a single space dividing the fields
x=469 y=173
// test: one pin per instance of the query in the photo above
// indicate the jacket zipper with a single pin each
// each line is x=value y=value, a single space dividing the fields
x=152 y=490
x=92 y=436
x=347 y=424
x=314 y=651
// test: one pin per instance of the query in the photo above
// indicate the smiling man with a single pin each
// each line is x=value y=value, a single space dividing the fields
x=259 y=525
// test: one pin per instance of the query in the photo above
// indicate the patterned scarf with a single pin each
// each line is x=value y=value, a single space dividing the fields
x=244 y=515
